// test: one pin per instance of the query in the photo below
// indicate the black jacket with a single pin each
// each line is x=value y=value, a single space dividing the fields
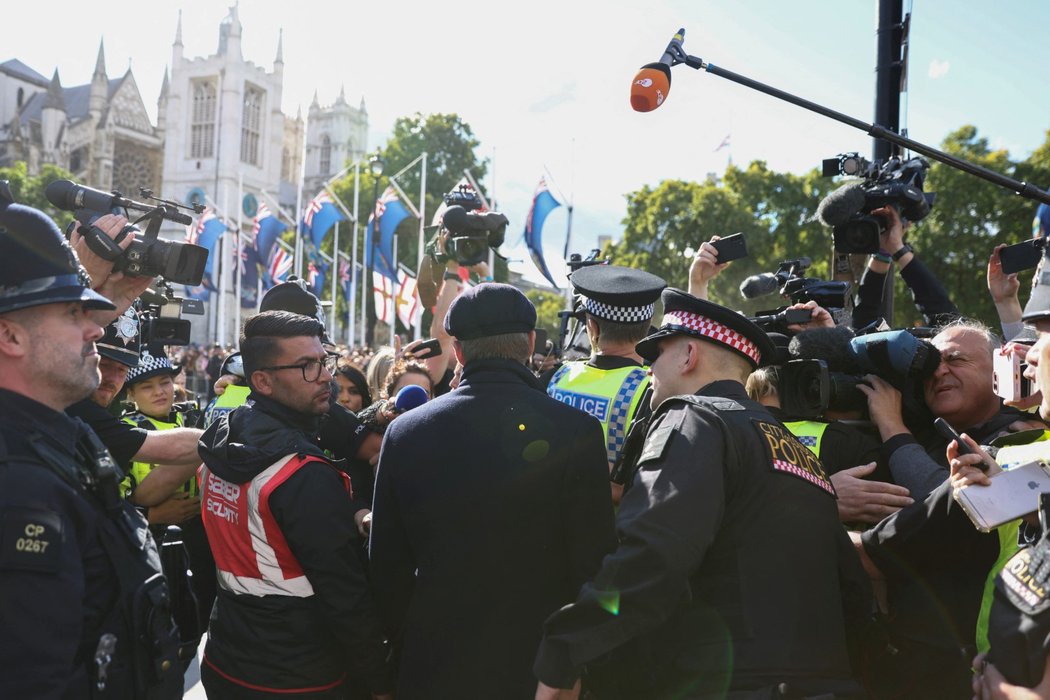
x=283 y=641
x=732 y=570
x=492 y=507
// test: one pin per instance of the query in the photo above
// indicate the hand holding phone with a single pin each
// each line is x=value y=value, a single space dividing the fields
x=945 y=429
x=731 y=248
x=423 y=349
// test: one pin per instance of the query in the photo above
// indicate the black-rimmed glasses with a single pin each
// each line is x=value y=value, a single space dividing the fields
x=311 y=369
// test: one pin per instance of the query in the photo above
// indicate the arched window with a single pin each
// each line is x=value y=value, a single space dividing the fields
x=21 y=97
x=326 y=155
x=202 y=122
x=251 y=124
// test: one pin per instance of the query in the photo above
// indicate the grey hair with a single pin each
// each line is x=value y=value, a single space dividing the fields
x=505 y=346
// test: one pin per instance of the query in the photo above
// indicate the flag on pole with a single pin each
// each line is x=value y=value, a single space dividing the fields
x=345 y=280
x=265 y=229
x=205 y=234
x=543 y=203
x=316 y=272
x=249 y=268
x=280 y=266
x=379 y=250
x=409 y=310
x=319 y=217
x=383 y=290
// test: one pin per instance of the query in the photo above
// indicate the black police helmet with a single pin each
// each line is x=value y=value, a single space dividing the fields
x=37 y=266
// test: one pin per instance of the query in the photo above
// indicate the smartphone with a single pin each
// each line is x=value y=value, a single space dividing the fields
x=731 y=247
x=1021 y=256
x=426 y=349
x=1010 y=495
x=797 y=316
x=945 y=429
x=1008 y=380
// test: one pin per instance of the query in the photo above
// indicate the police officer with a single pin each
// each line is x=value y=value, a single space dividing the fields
x=726 y=581
x=618 y=304
x=82 y=605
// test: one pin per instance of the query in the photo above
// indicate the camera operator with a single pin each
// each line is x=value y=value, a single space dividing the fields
x=852 y=457
x=929 y=295
x=79 y=572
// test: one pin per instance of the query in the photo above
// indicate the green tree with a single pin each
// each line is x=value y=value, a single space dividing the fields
x=29 y=189
x=665 y=225
x=547 y=304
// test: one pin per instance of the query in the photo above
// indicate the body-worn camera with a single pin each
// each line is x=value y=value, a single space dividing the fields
x=847 y=210
x=148 y=255
x=471 y=231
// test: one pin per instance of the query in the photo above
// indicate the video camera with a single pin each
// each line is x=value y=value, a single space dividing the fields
x=471 y=232
x=161 y=315
x=847 y=210
x=148 y=255
x=575 y=310
x=808 y=387
x=789 y=281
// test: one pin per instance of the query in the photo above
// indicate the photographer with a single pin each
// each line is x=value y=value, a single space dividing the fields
x=928 y=293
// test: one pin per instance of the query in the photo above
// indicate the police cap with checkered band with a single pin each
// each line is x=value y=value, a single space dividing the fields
x=617 y=294
x=37 y=266
x=684 y=314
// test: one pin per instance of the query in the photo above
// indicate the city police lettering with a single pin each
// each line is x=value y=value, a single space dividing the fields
x=225 y=504
x=30 y=543
x=597 y=406
x=788 y=455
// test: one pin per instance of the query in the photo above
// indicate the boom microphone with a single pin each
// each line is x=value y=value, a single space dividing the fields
x=840 y=205
x=653 y=81
x=759 y=285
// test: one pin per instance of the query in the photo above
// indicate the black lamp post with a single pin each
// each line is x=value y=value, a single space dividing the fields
x=375 y=166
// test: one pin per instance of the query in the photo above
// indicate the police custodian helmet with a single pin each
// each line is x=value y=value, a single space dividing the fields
x=37 y=266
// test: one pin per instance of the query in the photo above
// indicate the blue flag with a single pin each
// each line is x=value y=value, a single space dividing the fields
x=543 y=203
x=265 y=230
x=206 y=234
x=319 y=217
x=316 y=274
x=249 y=265
x=379 y=250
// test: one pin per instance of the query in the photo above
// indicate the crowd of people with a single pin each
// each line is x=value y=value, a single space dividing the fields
x=706 y=506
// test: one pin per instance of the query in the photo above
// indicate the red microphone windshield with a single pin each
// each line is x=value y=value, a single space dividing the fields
x=650 y=87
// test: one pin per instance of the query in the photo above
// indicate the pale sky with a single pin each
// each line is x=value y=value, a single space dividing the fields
x=546 y=84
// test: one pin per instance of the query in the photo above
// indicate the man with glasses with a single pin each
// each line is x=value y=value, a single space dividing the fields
x=293 y=613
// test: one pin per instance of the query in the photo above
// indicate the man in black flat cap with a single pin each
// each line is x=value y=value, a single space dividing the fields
x=729 y=575
x=618 y=304
x=491 y=510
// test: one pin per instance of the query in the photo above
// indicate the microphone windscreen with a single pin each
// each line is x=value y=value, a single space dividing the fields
x=60 y=193
x=829 y=344
x=409 y=397
x=650 y=87
x=759 y=285
x=454 y=218
x=840 y=205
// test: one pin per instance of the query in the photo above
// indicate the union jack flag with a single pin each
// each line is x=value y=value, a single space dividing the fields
x=315 y=206
x=344 y=278
x=193 y=233
x=389 y=195
x=280 y=265
x=261 y=213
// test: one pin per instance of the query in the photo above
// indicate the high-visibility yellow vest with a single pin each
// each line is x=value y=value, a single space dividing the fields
x=610 y=395
x=235 y=395
x=140 y=470
x=809 y=432
x=1008 y=457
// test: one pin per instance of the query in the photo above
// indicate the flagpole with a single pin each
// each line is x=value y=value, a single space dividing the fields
x=222 y=276
x=353 y=264
x=334 y=272
x=299 y=203
x=422 y=239
x=393 y=299
x=239 y=267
